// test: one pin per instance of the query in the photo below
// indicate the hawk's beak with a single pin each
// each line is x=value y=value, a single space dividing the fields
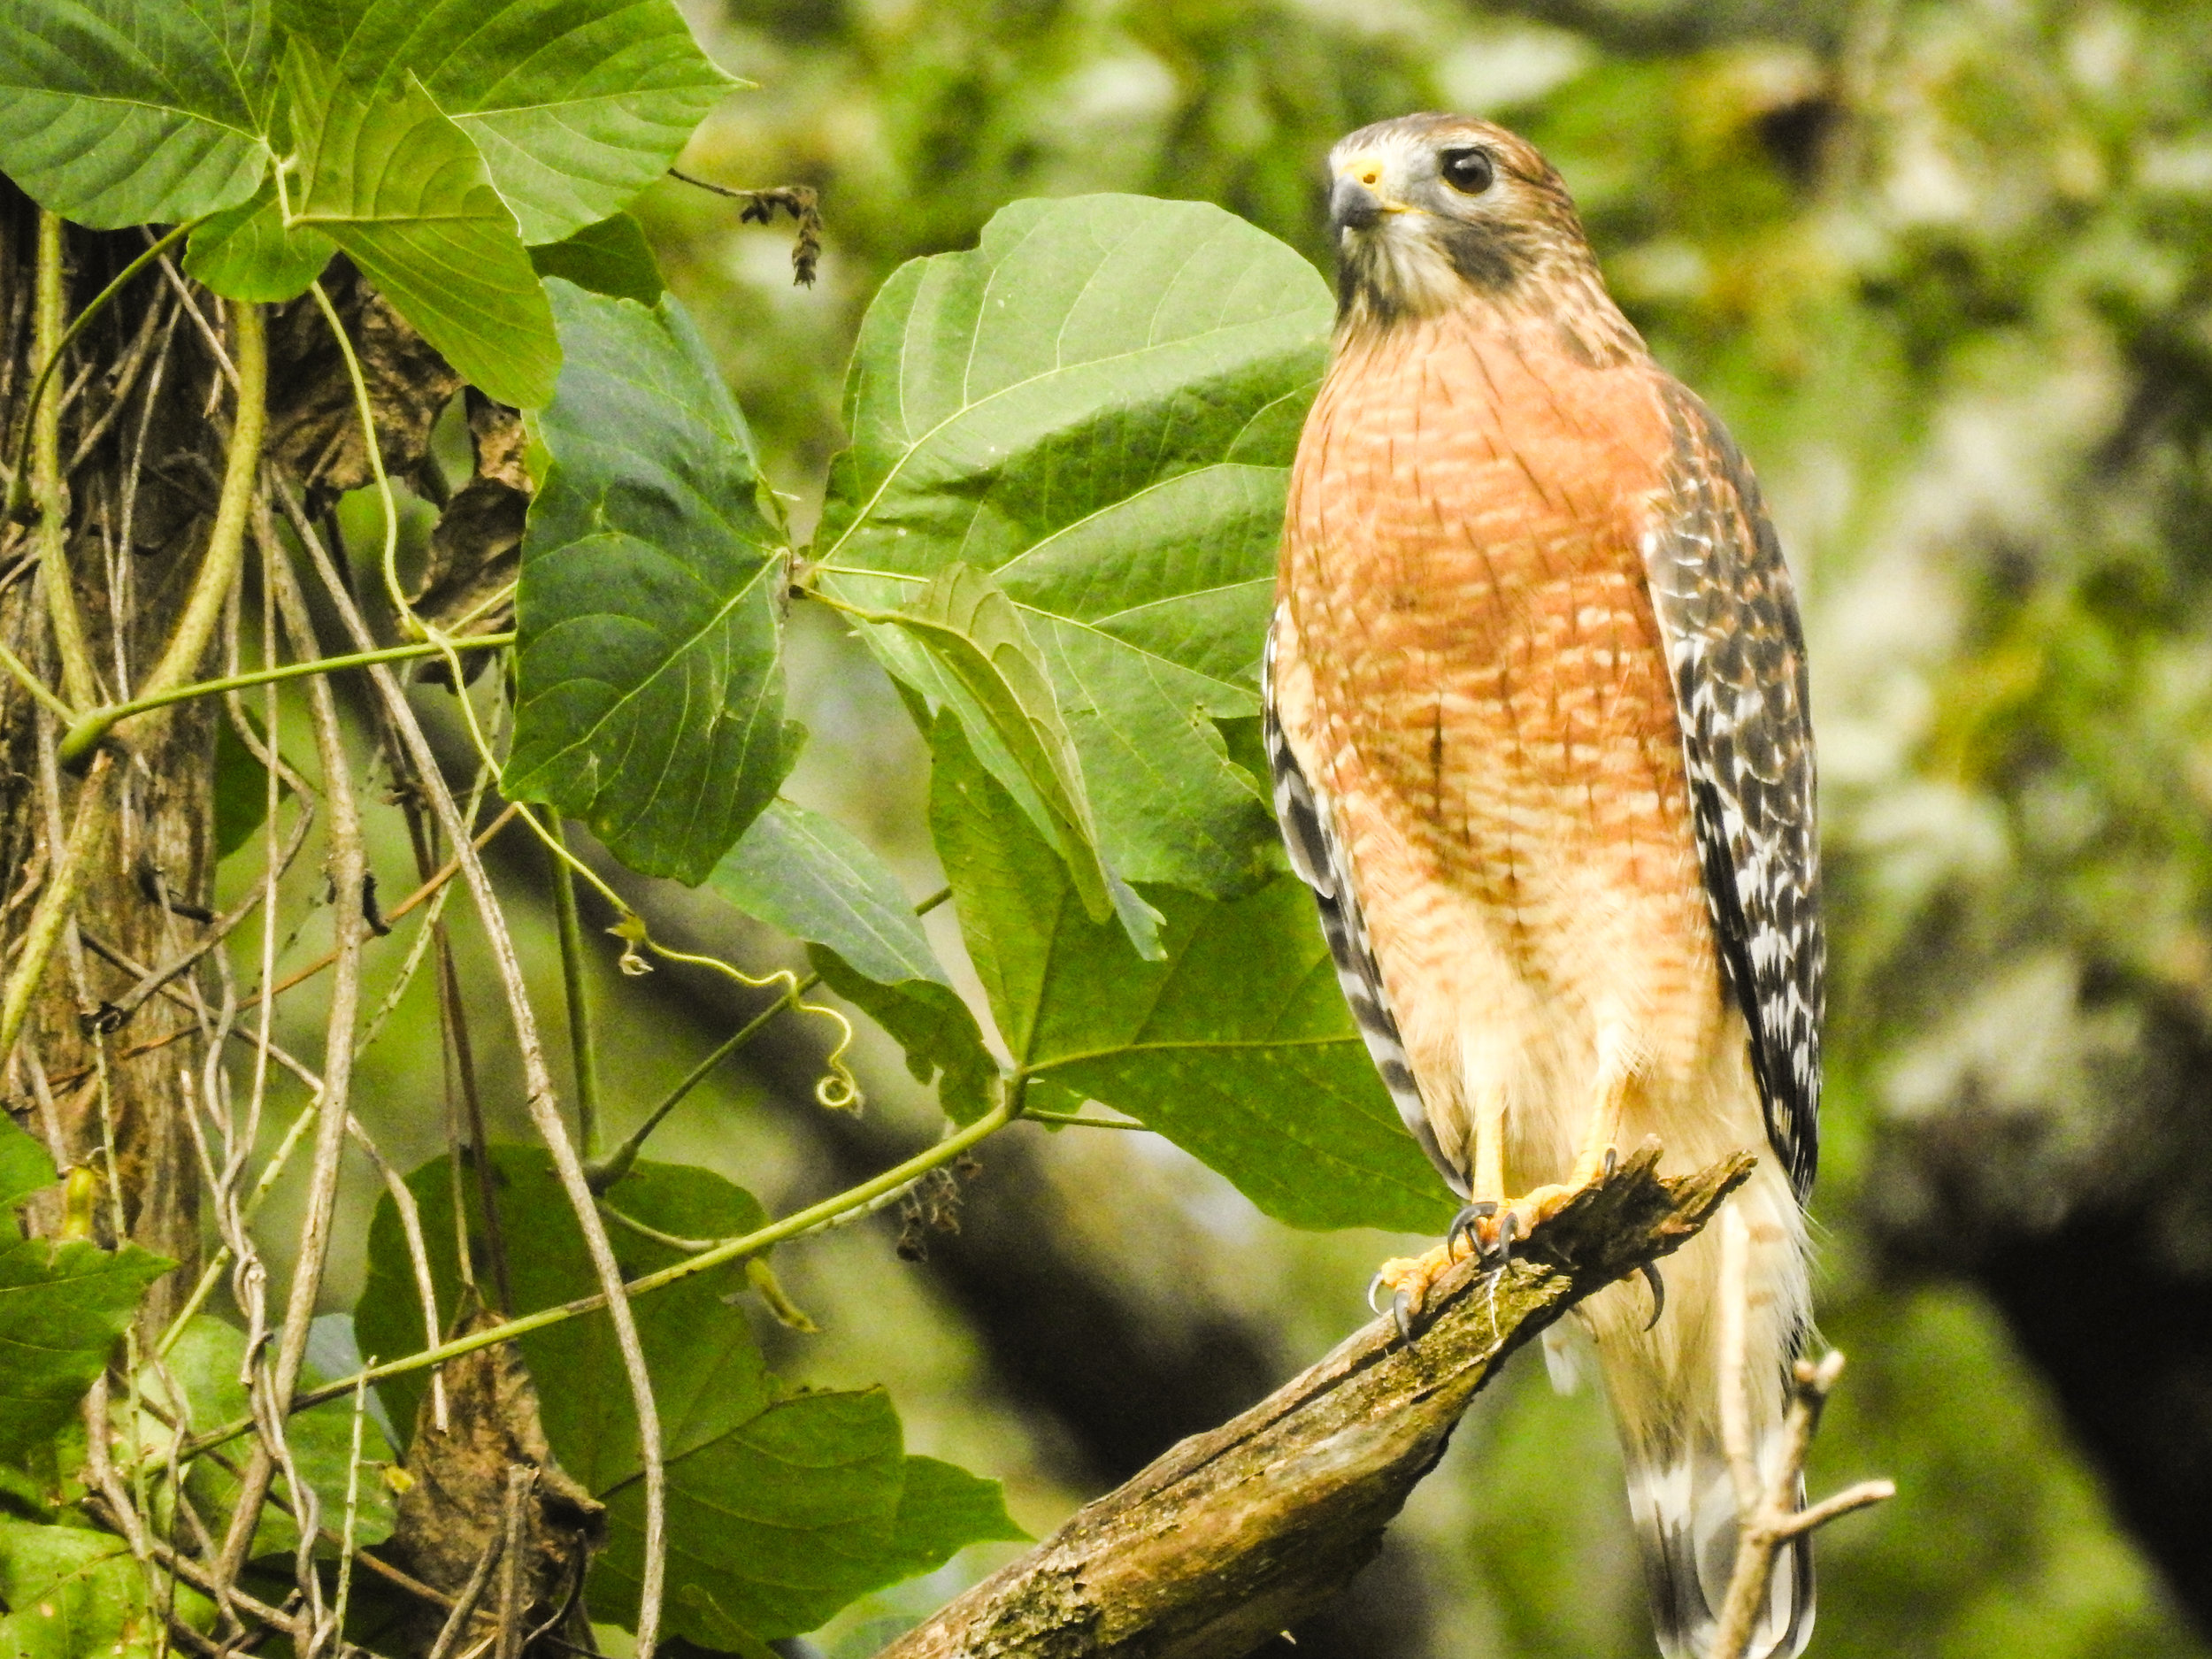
x=1356 y=203
x=1353 y=206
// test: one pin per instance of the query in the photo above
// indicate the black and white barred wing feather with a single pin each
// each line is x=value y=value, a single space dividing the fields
x=1318 y=855
x=1728 y=613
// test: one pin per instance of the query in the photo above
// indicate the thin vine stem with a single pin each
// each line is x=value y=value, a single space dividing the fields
x=57 y=904
x=617 y=1163
x=18 y=484
x=86 y=731
x=791 y=1226
x=43 y=462
x=583 y=1057
x=226 y=541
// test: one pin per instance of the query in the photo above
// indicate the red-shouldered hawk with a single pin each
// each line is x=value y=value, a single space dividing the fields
x=1536 y=705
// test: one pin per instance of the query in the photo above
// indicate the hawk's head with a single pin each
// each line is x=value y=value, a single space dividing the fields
x=1426 y=208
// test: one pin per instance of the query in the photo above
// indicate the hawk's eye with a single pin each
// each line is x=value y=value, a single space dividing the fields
x=1467 y=171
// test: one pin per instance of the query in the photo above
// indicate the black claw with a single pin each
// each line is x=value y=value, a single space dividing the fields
x=1373 y=1284
x=1464 y=1225
x=1650 y=1270
x=1612 y=1158
x=1501 y=1251
x=1402 y=1315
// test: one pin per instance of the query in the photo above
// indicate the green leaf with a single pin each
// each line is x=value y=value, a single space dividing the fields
x=943 y=1509
x=818 y=881
x=24 y=1167
x=205 y=1364
x=576 y=105
x=708 y=1375
x=990 y=673
x=610 y=257
x=1098 y=405
x=649 y=613
x=1237 y=1045
x=64 y=1305
x=931 y=1023
x=778 y=1524
x=241 y=789
x=120 y=113
x=245 y=253
x=74 y=1593
x=781 y=1509
x=395 y=184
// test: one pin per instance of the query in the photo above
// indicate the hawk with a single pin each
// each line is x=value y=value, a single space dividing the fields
x=1536 y=711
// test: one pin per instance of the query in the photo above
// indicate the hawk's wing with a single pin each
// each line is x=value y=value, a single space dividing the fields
x=1315 y=853
x=1728 y=616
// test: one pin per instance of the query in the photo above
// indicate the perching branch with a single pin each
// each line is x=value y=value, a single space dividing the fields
x=1240 y=1532
x=1767 y=1515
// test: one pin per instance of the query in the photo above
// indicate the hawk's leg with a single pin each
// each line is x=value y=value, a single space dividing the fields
x=1488 y=1226
x=1493 y=1234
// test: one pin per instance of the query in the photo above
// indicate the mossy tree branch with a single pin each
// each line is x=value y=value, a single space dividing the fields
x=1241 y=1532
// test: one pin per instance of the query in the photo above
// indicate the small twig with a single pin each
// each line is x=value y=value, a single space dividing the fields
x=520 y=1477
x=802 y=202
x=417 y=1256
x=1768 y=1517
x=465 y=1604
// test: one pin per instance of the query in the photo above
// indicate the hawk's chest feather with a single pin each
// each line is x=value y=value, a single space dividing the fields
x=1478 y=676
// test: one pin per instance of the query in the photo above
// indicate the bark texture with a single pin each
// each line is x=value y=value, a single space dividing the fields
x=1239 y=1532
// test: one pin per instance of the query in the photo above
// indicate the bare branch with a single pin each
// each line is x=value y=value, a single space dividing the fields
x=1767 y=1513
x=1238 y=1533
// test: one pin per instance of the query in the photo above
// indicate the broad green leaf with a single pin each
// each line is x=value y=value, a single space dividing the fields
x=245 y=253
x=1237 y=1045
x=990 y=673
x=119 y=112
x=707 y=1374
x=610 y=257
x=23 y=1168
x=1098 y=405
x=204 y=1364
x=575 y=105
x=74 y=1593
x=650 y=652
x=778 y=1524
x=64 y=1304
x=395 y=184
x=815 y=880
x=781 y=1509
x=943 y=1509
x=931 y=1023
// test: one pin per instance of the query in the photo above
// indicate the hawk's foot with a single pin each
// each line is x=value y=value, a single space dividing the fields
x=1491 y=1227
x=1409 y=1278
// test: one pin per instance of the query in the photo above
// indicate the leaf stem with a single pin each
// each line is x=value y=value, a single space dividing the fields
x=1079 y=1121
x=19 y=492
x=729 y=1251
x=89 y=729
x=582 y=1058
x=616 y=1164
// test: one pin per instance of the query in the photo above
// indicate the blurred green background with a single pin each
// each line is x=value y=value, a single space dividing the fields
x=1947 y=271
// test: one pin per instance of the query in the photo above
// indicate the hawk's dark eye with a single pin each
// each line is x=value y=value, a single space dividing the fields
x=1467 y=171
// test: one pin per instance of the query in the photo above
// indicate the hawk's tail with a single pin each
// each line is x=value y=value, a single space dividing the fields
x=1686 y=1526
x=1665 y=1388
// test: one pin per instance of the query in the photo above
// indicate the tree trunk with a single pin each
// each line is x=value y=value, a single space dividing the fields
x=140 y=456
